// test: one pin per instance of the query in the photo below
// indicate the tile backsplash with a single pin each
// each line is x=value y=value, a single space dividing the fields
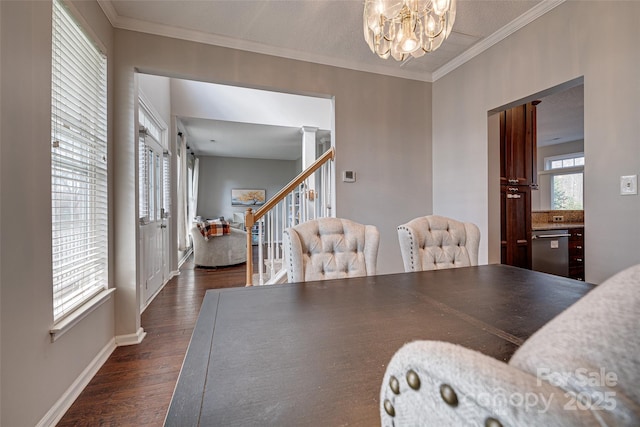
x=541 y=217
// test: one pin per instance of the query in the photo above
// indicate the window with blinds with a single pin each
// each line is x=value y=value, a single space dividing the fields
x=78 y=165
x=143 y=179
x=153 y=168
x=166 y=185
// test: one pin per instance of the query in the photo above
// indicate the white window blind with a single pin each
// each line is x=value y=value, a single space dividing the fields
x=78 y=165
x=143 y=179
x=146 y=121
x=153 y=168
x=166 y=185
x=151 y=188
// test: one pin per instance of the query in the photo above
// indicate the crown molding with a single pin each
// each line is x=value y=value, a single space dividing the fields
x=125 y=23
x=109 y=10
x=529 y=16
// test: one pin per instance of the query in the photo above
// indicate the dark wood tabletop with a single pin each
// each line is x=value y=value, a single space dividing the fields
x=315 y=353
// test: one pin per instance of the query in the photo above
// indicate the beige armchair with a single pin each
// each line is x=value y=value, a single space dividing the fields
x=219 y=251
x=580 y=369
x=434 y=242
x=330 y=248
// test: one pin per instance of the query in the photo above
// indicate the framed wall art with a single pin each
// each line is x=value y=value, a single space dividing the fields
x=247 y=197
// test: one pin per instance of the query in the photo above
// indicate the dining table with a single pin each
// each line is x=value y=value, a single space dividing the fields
x=314 y=353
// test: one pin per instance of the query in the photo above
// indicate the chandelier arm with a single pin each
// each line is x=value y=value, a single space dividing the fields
x=438 y=34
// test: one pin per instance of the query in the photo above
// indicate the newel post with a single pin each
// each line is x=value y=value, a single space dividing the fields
x=248 y=224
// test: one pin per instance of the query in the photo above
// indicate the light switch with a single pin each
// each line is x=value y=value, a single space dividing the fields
x=348 y=176
x=628 y=185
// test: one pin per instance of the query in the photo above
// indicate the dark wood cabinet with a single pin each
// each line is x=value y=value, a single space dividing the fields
x=515 y=211
x=518 y=145
x=518 y=176
x=576 y=253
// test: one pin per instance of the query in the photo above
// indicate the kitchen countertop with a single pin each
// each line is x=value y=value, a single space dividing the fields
x=556 y=225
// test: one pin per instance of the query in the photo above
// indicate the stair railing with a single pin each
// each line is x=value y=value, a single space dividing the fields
x=297 y=202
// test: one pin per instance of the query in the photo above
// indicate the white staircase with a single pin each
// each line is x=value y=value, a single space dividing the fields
x=294 y=204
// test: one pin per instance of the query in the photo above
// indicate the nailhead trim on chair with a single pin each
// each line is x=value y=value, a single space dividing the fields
x=413 y=379
x=449 y=395
x=426 y=254
x=413 y=266
x=290 y=258
x=389 y=409
x=492 y=422
x=336 y=248
x=394 y=384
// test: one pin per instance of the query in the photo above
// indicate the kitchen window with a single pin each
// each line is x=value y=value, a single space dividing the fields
x=567 y=181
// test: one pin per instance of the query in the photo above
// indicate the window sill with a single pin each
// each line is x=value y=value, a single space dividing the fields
x=64 y=325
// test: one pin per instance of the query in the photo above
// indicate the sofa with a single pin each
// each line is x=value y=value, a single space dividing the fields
x=580 y=369
x=218 y=251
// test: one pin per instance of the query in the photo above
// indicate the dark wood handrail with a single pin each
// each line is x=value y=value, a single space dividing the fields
x=250 y=217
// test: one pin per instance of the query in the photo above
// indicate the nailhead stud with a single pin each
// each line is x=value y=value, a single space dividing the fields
x=389 y=409
x=449 y=395
x=492 y=422
x=413 y=380
x=394 y=384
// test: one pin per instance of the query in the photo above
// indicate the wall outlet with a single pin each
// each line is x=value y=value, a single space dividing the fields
x=558 y=218
x=628 y=185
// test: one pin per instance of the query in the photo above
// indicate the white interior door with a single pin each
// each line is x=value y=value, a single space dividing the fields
x=154 y=195
x=166 y=209
x=154 y=231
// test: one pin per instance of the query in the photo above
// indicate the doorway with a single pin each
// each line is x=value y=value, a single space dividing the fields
x=223 y=137
x=153 y=201
x=560 y=132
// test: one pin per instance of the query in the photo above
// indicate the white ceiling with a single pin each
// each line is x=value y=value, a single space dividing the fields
x=231 y=121
x=244 y=140
x=560 y=117
x=321 y=31
x=330 y=32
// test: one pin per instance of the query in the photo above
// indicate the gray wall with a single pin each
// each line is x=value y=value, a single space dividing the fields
x=218 y=175
x=383 y=131
x=35 y=373
x=558 y=47
x=157 y=91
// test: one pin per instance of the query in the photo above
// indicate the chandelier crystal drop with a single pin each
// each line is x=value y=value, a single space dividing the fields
x=399 y=28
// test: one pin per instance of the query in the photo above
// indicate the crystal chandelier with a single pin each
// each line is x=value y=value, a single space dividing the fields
x=407 y=27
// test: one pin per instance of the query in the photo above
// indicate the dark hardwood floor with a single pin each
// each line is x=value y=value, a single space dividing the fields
x=135 y=385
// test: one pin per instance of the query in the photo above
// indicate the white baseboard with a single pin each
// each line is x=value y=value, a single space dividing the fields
x=185 y=256
x=130 y=339
x=58 y=410
x=171 y=276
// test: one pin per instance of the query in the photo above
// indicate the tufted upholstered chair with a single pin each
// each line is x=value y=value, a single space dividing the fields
x=433 y=242
x=580 y=369
x=330 y=248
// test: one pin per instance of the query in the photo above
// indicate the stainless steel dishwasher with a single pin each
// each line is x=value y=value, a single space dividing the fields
x=550 y=251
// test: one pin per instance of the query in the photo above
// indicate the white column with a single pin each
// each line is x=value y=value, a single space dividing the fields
x=308 y=145
x=308 y=157
x=325 y=144
x=324 y=208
